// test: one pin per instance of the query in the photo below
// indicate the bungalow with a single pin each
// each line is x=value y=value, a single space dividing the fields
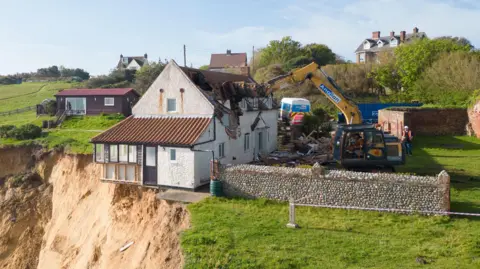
x=96 y=101
x=187 y=118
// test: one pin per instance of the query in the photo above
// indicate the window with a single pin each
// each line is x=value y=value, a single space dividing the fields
x=380 y=43
x=132 y=154
x=109 y=101
x=246 y=142
x=366 y=45
x=125 y=60
x=123 y=156
x=130 y=173
x=221 y=150
x=99 y=153
x=151 y=158
x=110 y=171
x=121 y=172
x=113 y=153
x=173 y=155
x=171 y=105
x=260 y=141
x=394 y=43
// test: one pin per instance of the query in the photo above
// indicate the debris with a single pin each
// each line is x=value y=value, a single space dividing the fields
x=126 y=246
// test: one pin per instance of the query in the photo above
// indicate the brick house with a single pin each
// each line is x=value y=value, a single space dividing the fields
x=184 y=120
x=229 y=63
x=370 y=48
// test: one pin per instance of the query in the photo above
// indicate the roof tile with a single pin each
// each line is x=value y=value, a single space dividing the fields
x=233 y=60
x=96 y=92
x=161 y=130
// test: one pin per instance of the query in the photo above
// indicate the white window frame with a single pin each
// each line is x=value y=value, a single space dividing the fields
x=221 y=150
x=246 y=142
x=107 y=103
x=394 y=42
x=168 y=108
x=366 y=45
x=113 y=157
x=99 y=153
x=123 y=158
x=132 y=154
x=380 y=43
x=173 y=153
x=147 y=159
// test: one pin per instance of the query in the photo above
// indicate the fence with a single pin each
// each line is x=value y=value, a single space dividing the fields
x=17 y=111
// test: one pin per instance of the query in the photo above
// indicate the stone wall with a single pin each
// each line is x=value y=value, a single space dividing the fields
x=338 y=188
x=424 y=121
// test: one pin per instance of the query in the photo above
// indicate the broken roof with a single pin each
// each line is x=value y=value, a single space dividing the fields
x=139 y=59
x=156 y=130
x=96 y=92
x=222 y=60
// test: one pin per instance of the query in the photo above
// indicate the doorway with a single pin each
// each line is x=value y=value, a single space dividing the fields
x=150 y=166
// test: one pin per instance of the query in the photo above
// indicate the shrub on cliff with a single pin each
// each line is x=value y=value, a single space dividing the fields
x=24 y=132
x=5 y=129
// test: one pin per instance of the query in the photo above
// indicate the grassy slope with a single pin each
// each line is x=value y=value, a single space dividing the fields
x=19 y=100
x=74 y=134
x=252 y=234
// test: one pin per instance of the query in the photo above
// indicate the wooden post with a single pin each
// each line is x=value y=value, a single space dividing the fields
x=444 y=180
x=291 y=223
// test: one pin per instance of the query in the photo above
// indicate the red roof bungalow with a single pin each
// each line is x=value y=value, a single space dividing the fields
x=96 y=101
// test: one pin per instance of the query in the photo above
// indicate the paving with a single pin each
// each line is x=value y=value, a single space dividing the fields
x=183 y=195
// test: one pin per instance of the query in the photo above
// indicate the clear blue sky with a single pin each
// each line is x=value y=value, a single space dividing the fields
x=92 y=34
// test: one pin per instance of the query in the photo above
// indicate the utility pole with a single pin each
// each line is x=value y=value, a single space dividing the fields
x=253 y=57
x=184 y=56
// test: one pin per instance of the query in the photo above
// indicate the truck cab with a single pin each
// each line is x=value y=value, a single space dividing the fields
x=363 y=147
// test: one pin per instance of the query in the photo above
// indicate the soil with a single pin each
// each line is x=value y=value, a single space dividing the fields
x=64 y=217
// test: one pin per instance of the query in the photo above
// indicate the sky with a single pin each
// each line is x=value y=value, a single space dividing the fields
x=91 y=34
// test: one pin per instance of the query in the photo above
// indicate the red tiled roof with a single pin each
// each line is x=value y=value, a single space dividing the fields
x=165 y=130
x=90 y=92
x=233 y=60
x=214 y=77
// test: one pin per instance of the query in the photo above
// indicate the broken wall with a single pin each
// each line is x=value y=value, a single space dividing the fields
x=424 y=121
x=338 y=188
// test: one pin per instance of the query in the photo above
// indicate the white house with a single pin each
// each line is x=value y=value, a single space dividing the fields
x=132 y=62
x=185 y=119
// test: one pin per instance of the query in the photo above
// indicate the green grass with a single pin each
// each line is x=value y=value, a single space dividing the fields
x=74 y=134
x=252 y=234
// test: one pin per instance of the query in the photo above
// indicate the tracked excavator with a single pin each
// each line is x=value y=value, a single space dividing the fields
x=356 y=146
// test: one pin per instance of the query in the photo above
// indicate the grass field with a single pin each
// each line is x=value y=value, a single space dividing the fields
x=74 y=134
x=27 y=94
x=252 y=234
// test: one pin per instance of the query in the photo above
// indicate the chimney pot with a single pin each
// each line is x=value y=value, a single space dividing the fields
x=145 y=55
x=402 y=36
x=229 y=52
x=376 y=35
x=392 y=34
x=121 y=56
x=415 y=30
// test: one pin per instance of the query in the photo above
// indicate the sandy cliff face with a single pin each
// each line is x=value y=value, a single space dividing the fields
x=78 y=222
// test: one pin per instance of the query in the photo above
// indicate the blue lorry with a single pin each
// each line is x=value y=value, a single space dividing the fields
x=370 y=111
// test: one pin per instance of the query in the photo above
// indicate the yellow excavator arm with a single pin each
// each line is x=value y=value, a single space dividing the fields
x=325 y=84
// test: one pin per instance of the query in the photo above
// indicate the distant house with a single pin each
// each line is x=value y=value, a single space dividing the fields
x=368 y=50
x=96 y=101
x=229 y=62
x=132 y=62
x=187 y=118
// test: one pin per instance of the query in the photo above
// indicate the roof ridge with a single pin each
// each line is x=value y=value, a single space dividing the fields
x=185 y=116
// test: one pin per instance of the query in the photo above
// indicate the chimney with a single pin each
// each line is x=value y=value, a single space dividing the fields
x=415 y=30
x=392 y=34
x=145 y=56
x=402 y=36
x=229 y=52
x=121 y=56
x=376 y=35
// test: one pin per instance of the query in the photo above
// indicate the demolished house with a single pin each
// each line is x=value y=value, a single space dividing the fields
x=185 y=119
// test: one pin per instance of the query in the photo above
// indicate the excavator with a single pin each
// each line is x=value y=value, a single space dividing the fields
x=356 y=146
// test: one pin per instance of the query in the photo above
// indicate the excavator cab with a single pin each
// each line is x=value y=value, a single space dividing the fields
x=364 y=147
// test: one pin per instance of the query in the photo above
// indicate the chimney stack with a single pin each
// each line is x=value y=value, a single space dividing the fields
x=121 y=56
x=402 y=36
x=392 y=34
x=415 y=30
x=229 y=52
x=145 y=56
x=376 y=35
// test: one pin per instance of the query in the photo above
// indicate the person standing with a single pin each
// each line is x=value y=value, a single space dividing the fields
x=407 y=138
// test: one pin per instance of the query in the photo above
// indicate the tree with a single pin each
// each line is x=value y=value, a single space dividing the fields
x=320 y=53
x=460 y=40
x=146 y=75
x=204 y=67
x=51 y=71
x=449 y=81
x=413 y=59
x=280 y=51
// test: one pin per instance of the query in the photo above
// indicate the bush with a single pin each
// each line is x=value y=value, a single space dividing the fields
x=24 y=132
x=5 y=129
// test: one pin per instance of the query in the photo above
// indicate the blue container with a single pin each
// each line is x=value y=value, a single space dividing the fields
x=370 y=111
